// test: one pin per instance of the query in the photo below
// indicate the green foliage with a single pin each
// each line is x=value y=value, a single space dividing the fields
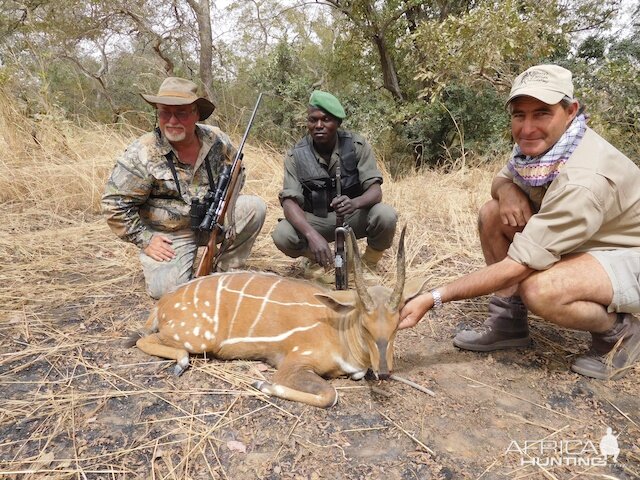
x=281 y=76
x=490 y=44
x=609 y=86
x=592 y=49
x=465 y=64
x=463 y=120
x=424 y=81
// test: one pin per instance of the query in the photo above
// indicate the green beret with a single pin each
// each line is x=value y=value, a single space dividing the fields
x=328 y=103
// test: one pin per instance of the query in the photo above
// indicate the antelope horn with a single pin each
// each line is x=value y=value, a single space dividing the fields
x=396 y=295
x=358 y=279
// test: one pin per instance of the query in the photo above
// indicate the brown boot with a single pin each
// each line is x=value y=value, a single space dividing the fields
x=506 y=327
x=371 y=257
x=613 y=352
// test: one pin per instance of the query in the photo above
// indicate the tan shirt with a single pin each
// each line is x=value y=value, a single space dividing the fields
x=593 y=204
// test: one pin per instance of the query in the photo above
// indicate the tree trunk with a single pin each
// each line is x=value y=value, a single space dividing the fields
x=389 y=74
x=202 y=11
x=373 y=28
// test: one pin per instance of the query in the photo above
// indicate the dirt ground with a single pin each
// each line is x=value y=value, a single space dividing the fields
x=75 y=403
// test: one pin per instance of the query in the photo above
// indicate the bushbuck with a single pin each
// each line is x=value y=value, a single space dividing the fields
x=302 y=329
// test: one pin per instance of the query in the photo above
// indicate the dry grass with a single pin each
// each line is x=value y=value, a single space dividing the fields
x=76 y=404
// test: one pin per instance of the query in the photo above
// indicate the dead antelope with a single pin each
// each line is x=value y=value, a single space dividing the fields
x=303 y=330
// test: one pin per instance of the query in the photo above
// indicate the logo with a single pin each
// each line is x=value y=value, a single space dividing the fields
x=566 y=452
x=609 y=445
x=534 y=76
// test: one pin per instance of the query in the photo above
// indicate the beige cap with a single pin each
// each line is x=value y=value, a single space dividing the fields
x=178 y=91
x=547 y=83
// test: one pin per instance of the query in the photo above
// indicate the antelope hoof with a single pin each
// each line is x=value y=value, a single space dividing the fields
x=181 y=366
x=259 y=384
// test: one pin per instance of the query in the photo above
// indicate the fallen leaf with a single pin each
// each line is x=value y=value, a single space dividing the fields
x=237 y=446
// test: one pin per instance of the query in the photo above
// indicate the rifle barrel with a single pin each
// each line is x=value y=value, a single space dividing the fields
x=246 y=132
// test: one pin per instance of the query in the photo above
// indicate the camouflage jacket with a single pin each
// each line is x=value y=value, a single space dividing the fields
x=141 y=197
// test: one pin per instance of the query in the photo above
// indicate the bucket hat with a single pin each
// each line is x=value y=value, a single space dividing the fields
x=178 y=91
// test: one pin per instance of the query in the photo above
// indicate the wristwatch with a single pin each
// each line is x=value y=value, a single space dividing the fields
x=437 y=299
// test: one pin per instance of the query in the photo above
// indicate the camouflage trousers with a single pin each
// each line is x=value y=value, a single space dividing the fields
x=161 y=277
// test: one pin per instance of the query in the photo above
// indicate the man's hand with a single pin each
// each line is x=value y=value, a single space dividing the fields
x=344 y=205
x=515 y=209
x=320 y=249
x=414 y=310
x=159 y=248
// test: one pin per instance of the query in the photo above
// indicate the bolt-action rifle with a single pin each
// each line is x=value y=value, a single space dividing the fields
x=341 y=232
x=207 y=217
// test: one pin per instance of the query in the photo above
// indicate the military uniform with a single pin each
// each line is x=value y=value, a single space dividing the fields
x=376 y=223
x=142 y=199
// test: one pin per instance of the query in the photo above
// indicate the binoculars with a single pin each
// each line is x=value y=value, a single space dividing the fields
x=197 y=212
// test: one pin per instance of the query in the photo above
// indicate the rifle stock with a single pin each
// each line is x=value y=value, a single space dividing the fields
x=209 y=252
x=213 y=221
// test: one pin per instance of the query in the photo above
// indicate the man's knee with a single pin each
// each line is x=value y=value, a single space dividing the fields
x=156 y=289
x=160 y=282
x=383 y=216
x=538 y=294
x=382 y=221
x=491 y=226
x=162 y=277
x=253 y=207
x=286 y=239
x=489 y=217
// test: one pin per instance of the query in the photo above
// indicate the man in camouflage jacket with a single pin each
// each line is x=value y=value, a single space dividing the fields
x=149 y=193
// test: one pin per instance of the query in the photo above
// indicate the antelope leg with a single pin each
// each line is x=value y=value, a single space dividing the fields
x=152 y=345
x=300 y=385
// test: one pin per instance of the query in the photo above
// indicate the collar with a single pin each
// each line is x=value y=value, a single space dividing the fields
x=335 y=153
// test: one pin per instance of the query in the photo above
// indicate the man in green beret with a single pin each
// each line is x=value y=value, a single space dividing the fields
x=309 y=197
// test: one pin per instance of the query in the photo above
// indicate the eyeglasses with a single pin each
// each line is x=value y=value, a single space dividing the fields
x=181 y=115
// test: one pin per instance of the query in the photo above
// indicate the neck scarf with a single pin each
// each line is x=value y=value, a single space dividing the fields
x=543 y=169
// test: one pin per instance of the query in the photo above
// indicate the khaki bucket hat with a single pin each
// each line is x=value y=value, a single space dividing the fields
x=547 y=83
x=178 y=91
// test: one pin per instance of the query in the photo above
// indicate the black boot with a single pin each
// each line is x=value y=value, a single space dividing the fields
x=506 y=327
x=606 y=362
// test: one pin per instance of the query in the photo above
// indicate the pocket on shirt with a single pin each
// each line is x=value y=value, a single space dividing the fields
x=164 y=185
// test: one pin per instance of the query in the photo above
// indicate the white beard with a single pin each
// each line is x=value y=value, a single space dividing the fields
x=175 y=137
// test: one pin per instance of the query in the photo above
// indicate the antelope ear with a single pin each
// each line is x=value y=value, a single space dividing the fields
x=342 y=302
x=412 y=289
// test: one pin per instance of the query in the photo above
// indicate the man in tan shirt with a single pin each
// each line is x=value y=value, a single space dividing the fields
x=561 y=235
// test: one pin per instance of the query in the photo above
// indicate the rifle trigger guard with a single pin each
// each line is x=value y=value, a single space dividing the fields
x=344 y=230
x=219 y=230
